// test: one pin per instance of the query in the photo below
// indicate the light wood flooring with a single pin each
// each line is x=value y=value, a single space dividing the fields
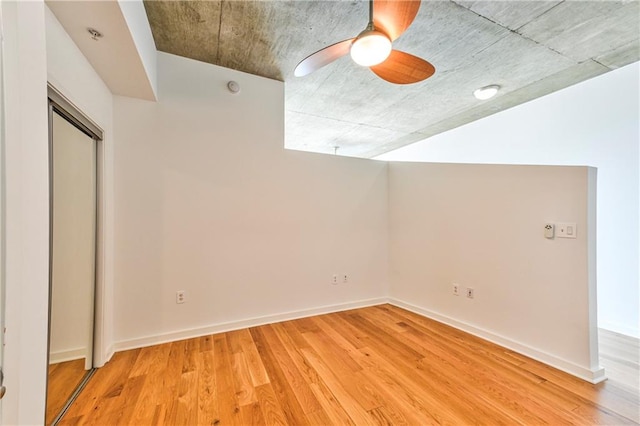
x=63 y=379
x=377 y=365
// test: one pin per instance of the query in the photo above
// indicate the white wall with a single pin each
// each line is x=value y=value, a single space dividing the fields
x=72 y=75
x=208 y=201
x=481 y=226
x=27 y=212
x=593 y=123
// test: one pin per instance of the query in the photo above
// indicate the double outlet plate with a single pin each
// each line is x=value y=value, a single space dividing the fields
x=469 y=292
x=339 y=279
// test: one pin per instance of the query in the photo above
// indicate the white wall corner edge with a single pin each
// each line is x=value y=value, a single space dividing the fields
x=591 y=375
x=135 y=17
x=236 y=325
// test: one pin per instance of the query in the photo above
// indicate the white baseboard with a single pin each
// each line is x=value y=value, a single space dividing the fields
x=110 y=351
x=68 y=355
x=106 y=357
x=592 y=376
x=236 y=325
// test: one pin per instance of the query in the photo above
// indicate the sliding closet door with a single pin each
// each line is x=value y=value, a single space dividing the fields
x=73 y=242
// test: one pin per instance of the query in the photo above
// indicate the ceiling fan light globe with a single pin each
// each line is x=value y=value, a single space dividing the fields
x=370 y=48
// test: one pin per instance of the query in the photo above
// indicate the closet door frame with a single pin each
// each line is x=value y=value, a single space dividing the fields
x=58 y=104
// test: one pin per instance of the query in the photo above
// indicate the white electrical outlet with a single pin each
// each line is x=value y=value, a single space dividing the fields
x=181 y=296
x=334 y=279
x=345 y=278
x=456 y=289
x=470 y=293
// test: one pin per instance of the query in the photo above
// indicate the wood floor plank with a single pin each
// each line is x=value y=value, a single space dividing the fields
x=167 y=412
x=206 y=343
x=257 y=371
x=473 y=348
x=426 y=394
x=127 y=400
x=229 y=409
x=516 y=402
x=342 y=363
x=270 y=406
x=208 y=412
x=286 y=396
x=293 y=375
x=187 y=398
x=330 y=404
x=245 y=392
x=105 y=385
x=234 y=340
x=303 y=371
x=293 y=341
x=348 y=401
x=368 y=366
x=336 y=360
x=151 y=359
x=356 y=339
x=252 y=414
x=190 y=360
x=381 y=337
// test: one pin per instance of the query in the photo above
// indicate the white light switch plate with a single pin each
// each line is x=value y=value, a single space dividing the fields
x=566 y=230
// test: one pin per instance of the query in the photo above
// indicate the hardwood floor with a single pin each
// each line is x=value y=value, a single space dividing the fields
x=377 y=365
x=63 y=379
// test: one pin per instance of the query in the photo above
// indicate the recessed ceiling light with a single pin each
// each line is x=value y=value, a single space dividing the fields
x=486 y=92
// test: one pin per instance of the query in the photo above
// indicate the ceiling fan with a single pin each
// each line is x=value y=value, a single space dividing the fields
x=388 y=19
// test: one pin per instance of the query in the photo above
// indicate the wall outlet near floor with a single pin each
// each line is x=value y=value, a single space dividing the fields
x=181 y=296
x=456 y=289
x=470 y=293
x=334 y=279
x=345 y=278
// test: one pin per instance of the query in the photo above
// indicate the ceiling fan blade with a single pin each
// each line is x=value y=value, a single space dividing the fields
x=322 y=57
x=403 y=68
x=394 y=16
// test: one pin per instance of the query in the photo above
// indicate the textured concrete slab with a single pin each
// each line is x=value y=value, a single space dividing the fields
x=505 y=14
x=623 y=55
x=585 y=29
x=530 y=48
x=566 y=77
x=321 y=134
x=186 y=28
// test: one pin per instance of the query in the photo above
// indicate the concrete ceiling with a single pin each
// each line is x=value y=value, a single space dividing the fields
x=529 y=48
